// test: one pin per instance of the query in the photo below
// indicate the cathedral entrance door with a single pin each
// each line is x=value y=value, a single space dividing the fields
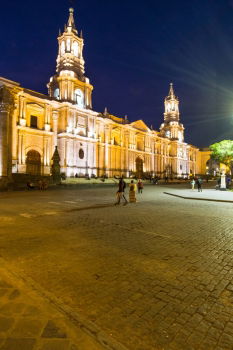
x=139 y=167
x=33 y=163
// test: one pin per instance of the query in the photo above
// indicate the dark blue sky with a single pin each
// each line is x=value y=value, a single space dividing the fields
x=133 y=50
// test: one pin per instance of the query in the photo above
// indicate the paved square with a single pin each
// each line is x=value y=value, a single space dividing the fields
x=152 y=275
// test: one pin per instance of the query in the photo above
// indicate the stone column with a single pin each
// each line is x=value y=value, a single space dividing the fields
x=90 y=100
x=121 y=153
x=22 y=111
x=162 y=164
x=158 y=163
x=152 y=158
x=94 y=156
x=6 y=108
x=47 y=126
x=20 y=148
x=97 y=161
x=155 y=170
x=87 y=158
x=55 y=127
x=127 y=154
x=106 y=153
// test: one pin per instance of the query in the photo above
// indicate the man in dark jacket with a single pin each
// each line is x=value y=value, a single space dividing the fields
x=199 y=184
x=121 y=192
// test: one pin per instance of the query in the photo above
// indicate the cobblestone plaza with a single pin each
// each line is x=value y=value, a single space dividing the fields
x=148 y=276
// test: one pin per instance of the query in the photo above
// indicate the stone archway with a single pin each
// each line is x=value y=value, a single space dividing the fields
x=212 y=167
x=139 y=167
x=33 y=163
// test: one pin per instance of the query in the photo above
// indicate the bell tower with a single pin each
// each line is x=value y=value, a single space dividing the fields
x=69 y=83
x=172 y=128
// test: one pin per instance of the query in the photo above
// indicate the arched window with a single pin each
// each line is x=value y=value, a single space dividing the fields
x=79 y=98
x=62 y=48
x=81 y=153
x=75 y=48
x=171 y=107
x=68 y=45
x=56 y=93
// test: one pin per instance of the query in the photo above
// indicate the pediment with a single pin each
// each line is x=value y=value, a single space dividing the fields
x=116 y=129
x=35 y=106
x=139 y=124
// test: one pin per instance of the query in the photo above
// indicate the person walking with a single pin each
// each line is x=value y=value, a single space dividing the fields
x=228 y=182
x=199 y=184
x=140 y=186
x=40 y=185
x=120 y=193
x=132 y=192
x=192 y=184
x=44 y=185
x=217 y=187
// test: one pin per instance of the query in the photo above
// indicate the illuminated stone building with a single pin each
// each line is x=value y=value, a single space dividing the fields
x=88 y=142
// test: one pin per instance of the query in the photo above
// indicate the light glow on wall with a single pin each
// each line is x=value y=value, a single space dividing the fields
x=67 y=73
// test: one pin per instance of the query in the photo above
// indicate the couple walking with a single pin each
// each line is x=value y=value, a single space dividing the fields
x=197 y=182
x=132 y=191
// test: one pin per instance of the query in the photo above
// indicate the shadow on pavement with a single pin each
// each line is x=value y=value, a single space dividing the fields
x=98 y=206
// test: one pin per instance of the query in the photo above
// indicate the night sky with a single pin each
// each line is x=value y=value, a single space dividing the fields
x=133 y=50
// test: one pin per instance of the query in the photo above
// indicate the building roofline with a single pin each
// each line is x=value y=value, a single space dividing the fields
x=8 y=82
x=204 y=149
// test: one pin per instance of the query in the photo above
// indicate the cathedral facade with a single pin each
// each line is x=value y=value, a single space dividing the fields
x=33 y=125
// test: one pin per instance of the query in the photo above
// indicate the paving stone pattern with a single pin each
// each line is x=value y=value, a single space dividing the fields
x=155 y=275
x=27 y=323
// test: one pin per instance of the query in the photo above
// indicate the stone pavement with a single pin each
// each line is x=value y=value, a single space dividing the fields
x=207 y=194
x=29 y=322
x=155 y=275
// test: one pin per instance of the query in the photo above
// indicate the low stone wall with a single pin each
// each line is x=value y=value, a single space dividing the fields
x=5 y=184
x=19 y=181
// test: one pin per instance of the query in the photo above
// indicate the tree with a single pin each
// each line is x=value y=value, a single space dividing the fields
x=223 y=153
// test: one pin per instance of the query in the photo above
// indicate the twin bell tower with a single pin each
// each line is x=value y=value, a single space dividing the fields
x=69 y=83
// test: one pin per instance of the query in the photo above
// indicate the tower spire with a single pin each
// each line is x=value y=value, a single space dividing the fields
x=71 y=24
x=171 y=105
x=171 y=91
x=172 y=128
x=70 y=83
